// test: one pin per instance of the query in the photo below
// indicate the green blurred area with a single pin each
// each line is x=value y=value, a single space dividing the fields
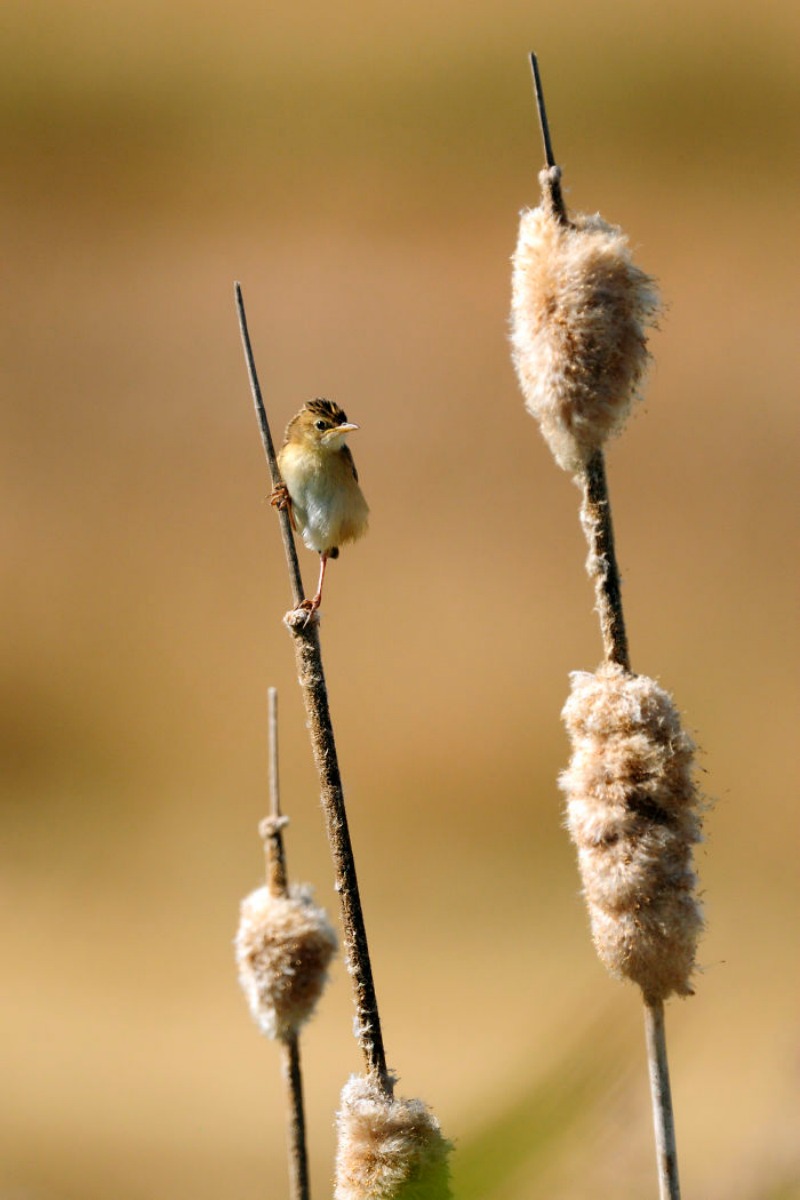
x=361 y=170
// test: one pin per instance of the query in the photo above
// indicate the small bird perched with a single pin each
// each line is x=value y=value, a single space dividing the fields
x=320 y=488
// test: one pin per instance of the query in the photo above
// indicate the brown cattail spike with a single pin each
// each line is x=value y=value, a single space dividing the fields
x=284 y=945
x=633 y=812
x=388 y=1149
x=579 y=314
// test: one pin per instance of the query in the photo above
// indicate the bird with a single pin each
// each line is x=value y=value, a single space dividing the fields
x=320 y=485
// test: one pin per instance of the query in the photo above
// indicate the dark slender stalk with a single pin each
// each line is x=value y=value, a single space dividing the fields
x=596 y=508
x=315 y=697
x=272 y=828
x=661 y=1094
x=550 y=178
x=603 y=569
x=295 y=578
x=272 y=831
x=311 y=676
x=602 y=561
x=296 y=1122
x=549 y=157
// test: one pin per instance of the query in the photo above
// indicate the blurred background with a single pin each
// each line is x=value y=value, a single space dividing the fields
x=360 y=169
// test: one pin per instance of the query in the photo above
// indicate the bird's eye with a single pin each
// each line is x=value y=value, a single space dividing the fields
x=320 y=424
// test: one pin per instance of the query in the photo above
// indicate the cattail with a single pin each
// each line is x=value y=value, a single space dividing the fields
x=580 y=310
x=284 y=945
x=388 y=1149
x=633 y=812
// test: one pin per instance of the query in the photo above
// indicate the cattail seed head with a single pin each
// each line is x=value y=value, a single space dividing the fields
x=579 y=313
x=388 y=1149
x=284 y=945
x=633 y=812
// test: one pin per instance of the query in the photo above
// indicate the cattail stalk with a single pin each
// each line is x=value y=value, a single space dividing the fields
x=277 y=882
x=284 y=944
x=579 y=311
x=601 y=564
x=661 y=1100
x=308 y=658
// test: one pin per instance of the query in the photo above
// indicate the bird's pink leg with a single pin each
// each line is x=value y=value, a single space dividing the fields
x=313 y=605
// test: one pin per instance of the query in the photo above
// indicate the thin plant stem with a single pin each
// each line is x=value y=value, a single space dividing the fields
x=296 y=1122
x=315 y=698
x=311 y=677
x=271 y=830
x=602 y=562
x=549 y=156
x=603 y=569
x=661 y=1094
x=551 y=177
x=289 y=547
x=596 y=509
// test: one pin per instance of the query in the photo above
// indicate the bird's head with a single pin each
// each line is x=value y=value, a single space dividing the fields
x=320 y=425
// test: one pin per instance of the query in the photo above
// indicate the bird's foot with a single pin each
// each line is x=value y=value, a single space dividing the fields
x=281 y=500
x=311 y=607
x=279 y=497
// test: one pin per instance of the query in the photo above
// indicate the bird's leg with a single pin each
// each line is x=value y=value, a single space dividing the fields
x=313 y=605
x=281 y=500
x=323 y=562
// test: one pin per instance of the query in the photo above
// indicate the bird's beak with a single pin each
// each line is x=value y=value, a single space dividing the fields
x=339 y=431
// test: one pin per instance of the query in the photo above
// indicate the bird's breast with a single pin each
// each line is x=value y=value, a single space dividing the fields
x=329 y=506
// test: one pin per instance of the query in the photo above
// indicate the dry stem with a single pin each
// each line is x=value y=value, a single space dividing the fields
x=308 y=658
x=596 y=509
x=269 y=449
x=551 y=177
x=661 y=1095
x=315 y=697
x=602 y=565
x=272 y=832
x=296 y=1121
x=602 y=561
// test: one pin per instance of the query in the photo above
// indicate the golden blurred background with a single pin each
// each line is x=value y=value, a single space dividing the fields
x=360 y=169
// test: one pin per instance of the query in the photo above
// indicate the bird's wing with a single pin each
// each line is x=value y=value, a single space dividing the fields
x=347 y=455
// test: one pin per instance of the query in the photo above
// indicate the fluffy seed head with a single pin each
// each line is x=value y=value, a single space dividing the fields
x=388 y=1149
x=633 y=812
x=283 y=947
x=580 y=309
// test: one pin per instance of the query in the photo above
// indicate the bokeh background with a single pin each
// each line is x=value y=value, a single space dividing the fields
x=360 y=168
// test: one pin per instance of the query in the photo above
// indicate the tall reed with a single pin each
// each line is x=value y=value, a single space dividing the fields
x=581 y=309
x=388 y=1148
x=284 y=944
